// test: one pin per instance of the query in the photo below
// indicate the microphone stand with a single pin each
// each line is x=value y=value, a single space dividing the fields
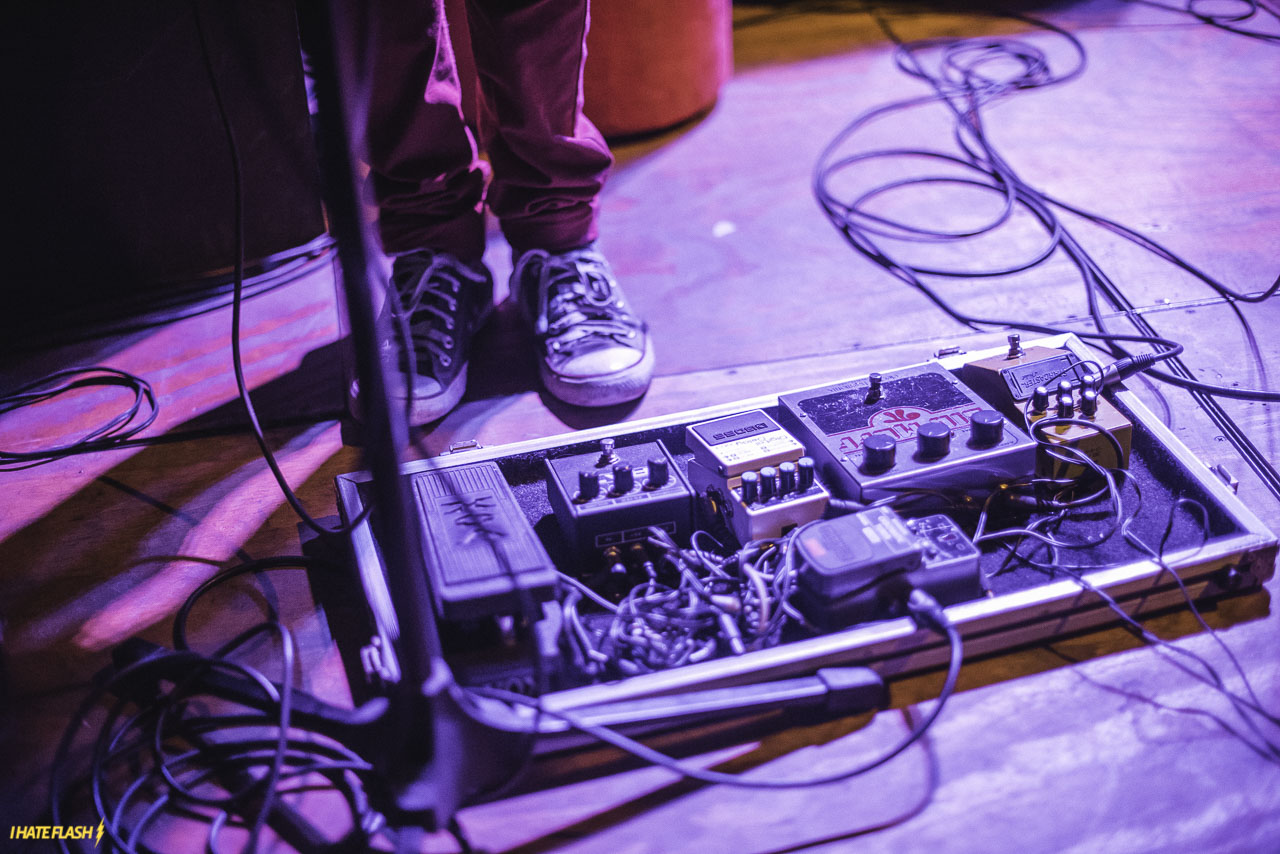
x=430 y=754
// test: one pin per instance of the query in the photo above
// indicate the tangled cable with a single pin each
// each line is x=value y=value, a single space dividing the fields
x=967 y=76
x=695 y=603
x=173 y=746
x=137 y=416
x=1227 y=19
x=1063 y=500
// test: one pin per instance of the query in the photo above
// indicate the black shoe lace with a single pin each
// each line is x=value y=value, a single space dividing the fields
x=580 y=302
x=429 y=304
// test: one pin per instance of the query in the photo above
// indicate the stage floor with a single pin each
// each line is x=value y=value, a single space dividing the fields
x=1172 y=129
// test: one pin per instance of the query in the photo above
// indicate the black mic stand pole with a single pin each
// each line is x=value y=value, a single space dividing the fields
x=433 y=756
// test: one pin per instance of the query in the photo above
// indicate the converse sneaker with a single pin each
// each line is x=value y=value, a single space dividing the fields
x=443 y=302
x=593 y=350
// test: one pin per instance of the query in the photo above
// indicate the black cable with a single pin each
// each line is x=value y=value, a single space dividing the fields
x=1222 y=20
x=1210 y=677
x=963 y=87
x=959 y=84
x=1192 y=664
x=120 y=427
x=923 y=607
x=1157 y=554
x=237 y=302
x=1096 y=279
x=254 y=566
x=173 y=719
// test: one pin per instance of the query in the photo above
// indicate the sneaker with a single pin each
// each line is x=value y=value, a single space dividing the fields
x=593 y=350
x=443 y=301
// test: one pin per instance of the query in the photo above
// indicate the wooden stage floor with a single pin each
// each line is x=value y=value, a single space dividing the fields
x=1173 y=129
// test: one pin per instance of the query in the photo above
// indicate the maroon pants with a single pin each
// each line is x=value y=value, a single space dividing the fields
x=549 y=162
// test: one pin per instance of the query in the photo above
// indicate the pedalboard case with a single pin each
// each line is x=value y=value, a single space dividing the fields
x=578 y=501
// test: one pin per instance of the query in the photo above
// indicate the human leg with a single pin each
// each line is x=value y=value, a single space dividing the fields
x=549 y=161
x=550 y=165
x=424 y=170
x=429 y=185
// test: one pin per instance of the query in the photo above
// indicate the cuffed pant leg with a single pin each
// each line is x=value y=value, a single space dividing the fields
x=549 y=161
x=426 y=177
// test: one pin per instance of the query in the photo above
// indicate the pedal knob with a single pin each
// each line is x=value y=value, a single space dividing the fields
x=659 y=473
x=875 y=388
x=768 y=484
x=624 y=478
x=933 y=440
x=588 y=485
x=1088 y=403
x=804 y=474
x=607 y=454
x=986 y=428
x=750 y=487
x=879 y=453
x=1040 y=400
x=1066 y=405
x=786 y=478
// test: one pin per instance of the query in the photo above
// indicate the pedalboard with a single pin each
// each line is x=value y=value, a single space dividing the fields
x=914 y=428
x=605 y=501
x=837 y=590
x=479 y=544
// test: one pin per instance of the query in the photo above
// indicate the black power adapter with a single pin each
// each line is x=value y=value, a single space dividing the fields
x=864 y=566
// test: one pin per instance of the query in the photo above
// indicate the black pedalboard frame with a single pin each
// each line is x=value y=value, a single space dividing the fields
x=1238 y=556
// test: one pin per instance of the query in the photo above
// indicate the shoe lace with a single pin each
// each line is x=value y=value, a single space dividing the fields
x=428 y=301
x=578 y=300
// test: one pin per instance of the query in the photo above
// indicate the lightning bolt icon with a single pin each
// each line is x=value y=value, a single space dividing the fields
x=98 y=841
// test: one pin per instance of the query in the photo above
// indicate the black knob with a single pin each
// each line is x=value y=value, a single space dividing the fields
x=879 y=453
x=786 y=478
x=659 y=473
x=1066 y=405
x=588 y=485
x=1039 y=399
x=933 y=440
x=1088 y=403
x=624 y=479
x=804 y=474
x=750 y=487
x=1065 y=387
x=768 y=483
x=986 y=428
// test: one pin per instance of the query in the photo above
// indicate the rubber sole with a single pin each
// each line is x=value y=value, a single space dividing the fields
x=607 y=390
